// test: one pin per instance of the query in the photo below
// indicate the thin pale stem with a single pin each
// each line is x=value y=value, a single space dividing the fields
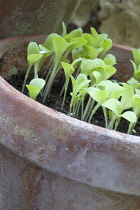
x=93 y=112
x=77 y=108
x=117 y=123
x=88 y=109
x=50 y=81
x=25 y=79
x=131 y=128
x=48 y=66
x=105 y=116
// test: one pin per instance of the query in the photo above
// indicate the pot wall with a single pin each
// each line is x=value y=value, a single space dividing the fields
x=34 y=16
x=52 y=161
x=24 y=185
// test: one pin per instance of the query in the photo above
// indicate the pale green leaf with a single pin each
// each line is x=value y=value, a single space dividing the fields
x=37 y=82
x=109 y=59
x=90 y=51
x=60 y=46
x=33 y=91
x=136 y=104
x=89 y=38
x=33 y=48
x=113 y=105
x=32 y=58
x=68 y=69
x=106 y=45
x=64 y=32
x=136 y=56
x=130 y=116
x=127 y=96
x=49 y=42
x=87 y=65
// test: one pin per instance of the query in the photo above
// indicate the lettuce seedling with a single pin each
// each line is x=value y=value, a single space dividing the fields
x=116 y=107
x=35 y=57
x=100 y=96
x=106 y=45
x=35 y=86
x=136 y=63
x=68 y=69
x=78 y=84
x=89 y=71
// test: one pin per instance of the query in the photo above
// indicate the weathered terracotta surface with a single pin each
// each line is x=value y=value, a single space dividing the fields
x=34 y=16
x=51 y=161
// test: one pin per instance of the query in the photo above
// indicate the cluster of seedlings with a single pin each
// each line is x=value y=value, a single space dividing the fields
x=87 y=66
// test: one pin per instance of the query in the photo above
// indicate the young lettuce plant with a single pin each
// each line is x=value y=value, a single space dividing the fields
x=59 y=48
x=103 y=91
x=86 y=64
x=136 y=110
x=35 y=57
x=35 y=86
x=136 y=63
x=78 y=86
x=68 y=69
x=117 y=108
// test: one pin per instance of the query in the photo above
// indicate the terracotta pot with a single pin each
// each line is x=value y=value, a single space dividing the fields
x=51 y=161
x=34 y=16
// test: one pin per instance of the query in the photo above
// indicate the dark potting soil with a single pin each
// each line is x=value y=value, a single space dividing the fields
x=55 y=101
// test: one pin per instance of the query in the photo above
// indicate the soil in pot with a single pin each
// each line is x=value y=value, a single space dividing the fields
x=55 y=100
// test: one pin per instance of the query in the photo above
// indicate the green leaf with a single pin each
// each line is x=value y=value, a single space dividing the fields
x=89 y=38
x=130 y=116
x=74 y=84
x=60 y=46
x=35 y=87
x=68 y=69
x=110 y=70
x=127 y=96
x=76 y=62
x=98 y=95
x=113 y=105
x=133 y=82
x=136 y=104
x=76 y=43
x=78 y=84
x=101 y=96
x=33 y=58
x=109 y=59
x=137 y=75
x=68 y=37
x=44 y=50
x=134 y=66
x=102 y=37
x=87 y=65
x=64 y=32
x=77 y=32
x=106 y=45
x=137 y=91
x=49 y=41
x=33 y=48
x=90 y=51
x=82 y=81
x=95 y=77
x=136 y=56
x=38 y=82
x=33 y=91
x=95 y=37
x=114 y=89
